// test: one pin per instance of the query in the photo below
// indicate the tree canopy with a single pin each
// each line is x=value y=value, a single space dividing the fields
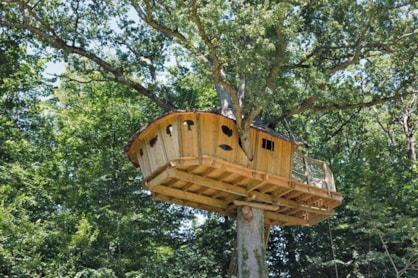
x=298 y=55
x=340 y=75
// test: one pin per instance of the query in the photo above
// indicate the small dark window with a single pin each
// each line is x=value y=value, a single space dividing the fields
x=189 y=124
x=153 y=141
x=169 y=130
x=225 y=147
x=267 y=144
x=227 y=131
x=141 y=152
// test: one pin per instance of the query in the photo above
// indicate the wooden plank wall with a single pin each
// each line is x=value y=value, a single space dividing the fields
x=273 y=155
x=197 y=134
x=153 y=149
x=169 y=131
x=188 y=130
x=143 y=159
x=209 y=126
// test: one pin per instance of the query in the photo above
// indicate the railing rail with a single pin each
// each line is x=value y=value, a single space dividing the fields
x=313 y=172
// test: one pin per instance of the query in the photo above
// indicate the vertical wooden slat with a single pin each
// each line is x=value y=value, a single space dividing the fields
x=226 y=146
x=286 y=159
x=179 y=135
x=214 y=124
x=255 y=137
x=189 y=134
x=146 y=157
x=154 y=152
x=279 y=155
x=199 y=136
x=164 y=146
x=144 y=162
x=171 y=141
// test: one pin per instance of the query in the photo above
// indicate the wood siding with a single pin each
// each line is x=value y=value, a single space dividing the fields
x=198 y=134
x=195 y=159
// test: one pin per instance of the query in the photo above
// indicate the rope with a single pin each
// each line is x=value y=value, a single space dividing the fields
x=332 y=249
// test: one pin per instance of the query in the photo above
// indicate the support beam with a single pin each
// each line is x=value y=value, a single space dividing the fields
x=256 y=205
x=182 y=195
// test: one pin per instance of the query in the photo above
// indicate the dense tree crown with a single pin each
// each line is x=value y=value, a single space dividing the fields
x=340 y=75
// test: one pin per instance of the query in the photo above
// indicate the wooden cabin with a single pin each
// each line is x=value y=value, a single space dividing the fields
x=195 y=159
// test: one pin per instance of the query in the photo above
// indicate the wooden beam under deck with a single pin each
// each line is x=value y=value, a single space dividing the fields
x=293 y=207
x=187 y=165
x=182 y=195
x=257 y=175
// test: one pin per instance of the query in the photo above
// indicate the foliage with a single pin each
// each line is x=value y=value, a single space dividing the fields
x=374 y=232
x=333 y=53
x=341 y=75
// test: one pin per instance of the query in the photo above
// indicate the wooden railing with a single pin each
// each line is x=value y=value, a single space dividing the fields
x=313 y=172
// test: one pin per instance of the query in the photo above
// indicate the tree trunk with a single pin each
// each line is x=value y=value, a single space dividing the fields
x=409 y=127
x=225 y=101
x=251 y=245
x=231 y=106
x=251 y=250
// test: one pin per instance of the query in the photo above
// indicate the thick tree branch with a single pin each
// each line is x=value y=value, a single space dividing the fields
x=308 y=104
x=278 y=56
x=214 y=66
x=217 y=67
x=175 y=34
x=243 y=123
x=305 y=105
x=53 y=39
x=359 y=47
x=77 y=19
x=371 y=103
x=341 y=127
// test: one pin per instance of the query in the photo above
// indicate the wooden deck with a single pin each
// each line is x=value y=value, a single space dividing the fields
x=219 y=186
x=195 y=159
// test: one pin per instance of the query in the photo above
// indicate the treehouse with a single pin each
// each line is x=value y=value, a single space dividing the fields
x=195 y=159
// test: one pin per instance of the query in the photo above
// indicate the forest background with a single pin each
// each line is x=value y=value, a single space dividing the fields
x=339 y=75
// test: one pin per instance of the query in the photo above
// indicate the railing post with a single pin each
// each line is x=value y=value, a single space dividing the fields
x=306 y=166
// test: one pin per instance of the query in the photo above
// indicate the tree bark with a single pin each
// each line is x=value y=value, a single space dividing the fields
x=410 y=127
x=225 y=101
x=251 y=244
x=232 y=109
x=409 y=134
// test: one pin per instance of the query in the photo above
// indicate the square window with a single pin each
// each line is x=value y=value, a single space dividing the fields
x=267 y=144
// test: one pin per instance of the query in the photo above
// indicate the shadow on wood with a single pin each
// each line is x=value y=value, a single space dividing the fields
x=194 y=159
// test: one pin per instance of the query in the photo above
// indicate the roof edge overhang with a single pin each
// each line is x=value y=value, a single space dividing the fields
x=257 y=126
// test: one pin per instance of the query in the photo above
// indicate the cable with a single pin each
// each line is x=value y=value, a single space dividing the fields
x=332 y=249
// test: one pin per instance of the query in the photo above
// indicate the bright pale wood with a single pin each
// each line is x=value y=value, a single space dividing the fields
x=157 y=180
x=256 y=205
x=286 y=219
x=187 y=203
x=143 y=160
x=182 y=195
x=228 y=193
x=194 y=159
x=208 y=182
